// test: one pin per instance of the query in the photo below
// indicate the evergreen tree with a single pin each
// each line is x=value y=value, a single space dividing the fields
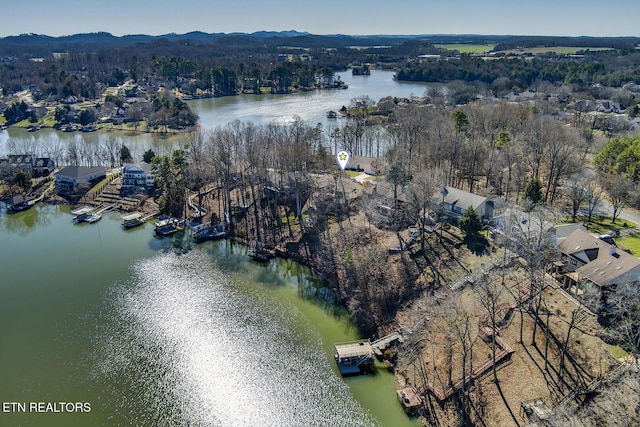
x=148 y=155
x=470 y=223
x=533 y=191
x=125 y=155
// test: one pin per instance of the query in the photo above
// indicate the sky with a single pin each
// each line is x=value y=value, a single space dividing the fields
x=356 y=17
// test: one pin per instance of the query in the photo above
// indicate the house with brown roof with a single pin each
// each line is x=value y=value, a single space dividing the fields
x=586 y=261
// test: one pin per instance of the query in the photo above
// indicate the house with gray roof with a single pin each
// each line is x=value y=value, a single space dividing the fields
x=68 y=178
x=535 y=226
x=454 y=204
x=23 y=162
x=43 y=166
x=137 y=175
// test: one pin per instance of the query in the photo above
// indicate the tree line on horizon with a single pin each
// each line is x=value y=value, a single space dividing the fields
x=225 y=62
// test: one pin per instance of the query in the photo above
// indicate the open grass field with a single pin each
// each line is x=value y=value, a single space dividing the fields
x=561 y=50
x=467 y=48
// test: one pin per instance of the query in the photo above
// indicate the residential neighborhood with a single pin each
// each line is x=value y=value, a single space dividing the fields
x=398 y=230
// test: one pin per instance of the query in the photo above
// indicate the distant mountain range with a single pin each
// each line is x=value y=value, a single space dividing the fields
x=37 y=44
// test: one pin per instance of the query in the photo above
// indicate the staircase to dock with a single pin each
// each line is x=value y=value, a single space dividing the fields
x=381 y=344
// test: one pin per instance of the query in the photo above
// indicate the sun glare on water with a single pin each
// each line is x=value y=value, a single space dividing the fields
x=202 y=349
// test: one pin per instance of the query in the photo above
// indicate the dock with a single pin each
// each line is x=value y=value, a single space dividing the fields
x=168 y=226
x=410 y=399
x=208 y=232
x=82 y=210
x=132 y=220
x=357 y=357
x=354 y=357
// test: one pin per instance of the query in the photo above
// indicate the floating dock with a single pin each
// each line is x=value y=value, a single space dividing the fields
x=410 y=399
x=357 y=357
x=354 y=357
x=209 y=232
x=82 y=211
x=132 y=220
x=168 y=226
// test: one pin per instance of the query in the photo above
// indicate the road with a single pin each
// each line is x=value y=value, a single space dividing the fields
x=605 y=209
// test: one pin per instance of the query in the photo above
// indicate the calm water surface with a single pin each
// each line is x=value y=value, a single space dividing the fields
x=259 y=109
x=163 y=332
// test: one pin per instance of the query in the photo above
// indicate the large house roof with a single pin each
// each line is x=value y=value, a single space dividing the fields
x=460 y=198
x=464 y=199
x=140 y=166
x=80 y=171
x=605 y=263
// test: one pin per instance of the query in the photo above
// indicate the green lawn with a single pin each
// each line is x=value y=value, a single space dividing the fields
x=353 y=174
x=24 y=123
x=617 y=352
x=467 y=48
x=603 y=225
x=561 y=50
x=631 y=242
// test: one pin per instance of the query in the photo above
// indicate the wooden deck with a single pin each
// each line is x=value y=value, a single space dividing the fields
x=410 y=399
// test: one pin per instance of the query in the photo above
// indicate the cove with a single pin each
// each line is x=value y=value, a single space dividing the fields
x=165 y=332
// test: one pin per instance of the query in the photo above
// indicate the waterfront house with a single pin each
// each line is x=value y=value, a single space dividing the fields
x=43 y=166
x=137 y=175
x=586 y=261
x=23 y=162
x=68 y=178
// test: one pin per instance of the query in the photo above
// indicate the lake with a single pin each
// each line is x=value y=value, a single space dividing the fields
x=152 y=331
x=259 y=109
x=165 y=332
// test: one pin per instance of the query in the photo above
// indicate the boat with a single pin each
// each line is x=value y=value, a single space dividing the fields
x=94 y=217
x=88 y=217
x=81 y=214
x=132 y=220
x=168 y=226
x=18 y=204
x=18 y=208
x=209 y=232
x=331 y=114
